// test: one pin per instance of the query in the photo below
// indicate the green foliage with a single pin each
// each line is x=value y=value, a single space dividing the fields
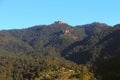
x=37 y=53
x=21 y=67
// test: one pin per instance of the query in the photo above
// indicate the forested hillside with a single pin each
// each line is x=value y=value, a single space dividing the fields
x=59 y=51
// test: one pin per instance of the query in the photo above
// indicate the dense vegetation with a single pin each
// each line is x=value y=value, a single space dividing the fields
x=61 y=52
x=24 y=67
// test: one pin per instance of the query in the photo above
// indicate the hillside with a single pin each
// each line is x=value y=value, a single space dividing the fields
x=57 y=36
x=101 y=51
x=94 y=47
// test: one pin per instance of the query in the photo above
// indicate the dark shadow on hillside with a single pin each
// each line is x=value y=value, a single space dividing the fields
x=76 y=54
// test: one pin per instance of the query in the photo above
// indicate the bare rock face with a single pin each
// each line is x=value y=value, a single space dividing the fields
x=59 y=22
x=66 y=31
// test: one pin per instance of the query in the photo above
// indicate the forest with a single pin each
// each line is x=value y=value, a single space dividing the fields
x=59 y=51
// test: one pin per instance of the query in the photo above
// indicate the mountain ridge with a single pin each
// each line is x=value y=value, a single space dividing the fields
x=91 y=45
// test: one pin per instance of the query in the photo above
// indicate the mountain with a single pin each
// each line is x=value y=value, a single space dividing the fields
x=94 y=28
x=101 y=51
x=57 y=36
x=78 y=51
x=95 y=47
x=107 y=61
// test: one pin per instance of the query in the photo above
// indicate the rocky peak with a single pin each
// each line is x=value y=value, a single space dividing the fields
x=58 y=22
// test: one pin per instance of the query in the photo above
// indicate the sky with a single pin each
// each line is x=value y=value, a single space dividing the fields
x=18 y=14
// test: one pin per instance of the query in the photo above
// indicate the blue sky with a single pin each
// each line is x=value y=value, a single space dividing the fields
x=15 y=14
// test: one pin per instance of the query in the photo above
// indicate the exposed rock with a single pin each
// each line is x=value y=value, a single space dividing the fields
x=59 y=22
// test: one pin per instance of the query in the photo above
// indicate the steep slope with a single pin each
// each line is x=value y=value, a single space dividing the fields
x=48 y=39
x=102 y=51
x=107 y=63
x=79 y=50
x=55 y=37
